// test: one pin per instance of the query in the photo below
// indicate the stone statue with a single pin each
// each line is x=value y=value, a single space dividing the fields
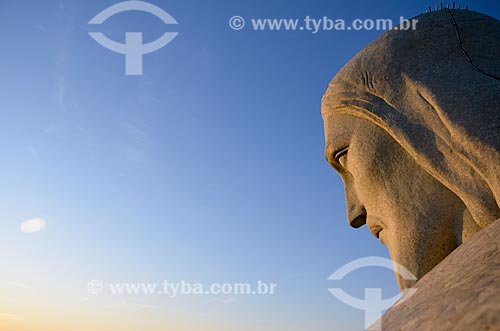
x=412 y=125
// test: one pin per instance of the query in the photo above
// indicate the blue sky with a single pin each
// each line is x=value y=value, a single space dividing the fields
x=207 y=168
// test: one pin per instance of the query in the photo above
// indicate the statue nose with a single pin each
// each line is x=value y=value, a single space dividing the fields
x=359 y=218
x=356 y=212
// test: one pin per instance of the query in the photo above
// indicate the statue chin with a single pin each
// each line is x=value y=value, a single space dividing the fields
x=419 y=259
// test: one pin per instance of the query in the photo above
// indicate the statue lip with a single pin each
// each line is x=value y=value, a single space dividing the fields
x=375 y=229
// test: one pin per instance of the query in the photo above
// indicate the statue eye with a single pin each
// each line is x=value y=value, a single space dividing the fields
x=339 y=156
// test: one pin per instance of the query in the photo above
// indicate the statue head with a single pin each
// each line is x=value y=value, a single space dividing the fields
x=412 y=125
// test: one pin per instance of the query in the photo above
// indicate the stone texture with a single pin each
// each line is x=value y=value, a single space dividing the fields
x=461 y=293
x=413 y=128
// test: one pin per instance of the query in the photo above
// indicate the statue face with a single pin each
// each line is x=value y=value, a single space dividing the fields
x=412 y=213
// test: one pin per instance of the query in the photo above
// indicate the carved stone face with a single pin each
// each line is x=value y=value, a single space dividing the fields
x=412 y=127
x=414 y=215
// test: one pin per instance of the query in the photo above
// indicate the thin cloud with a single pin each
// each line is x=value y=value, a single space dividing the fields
x=33 y=225
x=34 y=153
x=20 y=285
x=10 y=317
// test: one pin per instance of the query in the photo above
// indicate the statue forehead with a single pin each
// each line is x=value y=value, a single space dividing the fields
x=341 y=129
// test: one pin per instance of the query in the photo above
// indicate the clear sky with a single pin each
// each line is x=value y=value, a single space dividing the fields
x=207 y=168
